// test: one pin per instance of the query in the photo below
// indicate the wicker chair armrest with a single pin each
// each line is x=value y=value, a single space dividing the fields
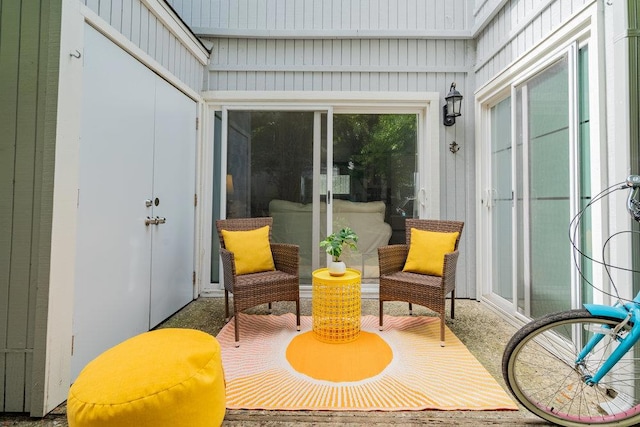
x=392 y=258
x=449 y=270
x=228 y=268
x=285 y=257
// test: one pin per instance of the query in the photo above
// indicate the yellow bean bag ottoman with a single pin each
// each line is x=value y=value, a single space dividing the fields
x=166 y=377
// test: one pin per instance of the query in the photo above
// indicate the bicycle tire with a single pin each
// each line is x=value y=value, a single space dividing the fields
x=538 y=366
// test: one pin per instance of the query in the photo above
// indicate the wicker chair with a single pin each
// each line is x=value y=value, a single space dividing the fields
x=253 y=289
x=415 y=288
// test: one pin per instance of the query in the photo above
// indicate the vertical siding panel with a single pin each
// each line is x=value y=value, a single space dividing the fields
x=144 y=30
x=189 y=10
x=421 y=15
x=383 y=16
x=15 y=382
x=136 y=23
x=318 y=15
x=260 y=80
x=545 y=21
x=373 y=16
x=162 y=43
x=3 y=369
x=204 y=17
x=345 y=53
x=306 y=12
x=250 y=49
x=223 y=15
x=555 y=14
x=25 y=28
x=232 y=52
x=566 y=9
x=152 y=35
x=355 y=14
x=459 y=15
x=25 y=151
x=105 y=10
x=355 y=53
x=365 y=53
x=116 y=15
x=93 y=5
x=9 y=31
x=217 y=9
x=238 y=14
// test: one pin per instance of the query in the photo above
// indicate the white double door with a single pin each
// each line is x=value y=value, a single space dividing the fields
x=137 y=163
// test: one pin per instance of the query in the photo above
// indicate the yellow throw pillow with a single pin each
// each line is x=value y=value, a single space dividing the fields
x=427 y=250
x=251 y=250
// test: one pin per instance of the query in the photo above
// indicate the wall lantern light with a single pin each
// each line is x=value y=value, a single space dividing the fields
x=452 y=109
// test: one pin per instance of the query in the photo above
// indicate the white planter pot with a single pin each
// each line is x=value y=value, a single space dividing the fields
x=337 y=268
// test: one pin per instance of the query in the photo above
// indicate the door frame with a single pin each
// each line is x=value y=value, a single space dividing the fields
x=425 y=104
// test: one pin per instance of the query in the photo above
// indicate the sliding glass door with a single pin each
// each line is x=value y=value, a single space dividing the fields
x=539 y=178
x=316 y=172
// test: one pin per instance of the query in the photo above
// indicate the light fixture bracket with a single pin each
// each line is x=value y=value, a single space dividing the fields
x=447 y=120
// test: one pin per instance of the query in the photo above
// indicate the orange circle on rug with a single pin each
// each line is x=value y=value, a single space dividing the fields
x=357 y=360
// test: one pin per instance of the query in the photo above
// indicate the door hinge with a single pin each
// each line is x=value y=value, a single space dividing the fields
x=195 y=200
x=197 y=122
x=73 y=338
x=193 y=278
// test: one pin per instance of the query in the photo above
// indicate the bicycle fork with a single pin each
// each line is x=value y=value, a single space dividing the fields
x=624 y=314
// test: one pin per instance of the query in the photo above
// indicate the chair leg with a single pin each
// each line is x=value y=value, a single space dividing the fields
x=298 y=314
x=453 y=299
x=226 y=305
x=410 y=309
x=442 y=329
x=237 y=328
x=269 y=308
x=381 y=314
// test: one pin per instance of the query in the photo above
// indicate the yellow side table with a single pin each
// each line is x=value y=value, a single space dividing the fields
x=336 y=306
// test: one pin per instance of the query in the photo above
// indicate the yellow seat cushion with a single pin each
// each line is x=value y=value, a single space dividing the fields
x=251 y=250
x=167 y=377
x=427 y=251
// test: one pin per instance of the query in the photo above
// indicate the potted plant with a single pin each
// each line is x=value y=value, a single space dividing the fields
x=334 y=245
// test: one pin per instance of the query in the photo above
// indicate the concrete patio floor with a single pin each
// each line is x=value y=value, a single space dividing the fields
x=483 y=332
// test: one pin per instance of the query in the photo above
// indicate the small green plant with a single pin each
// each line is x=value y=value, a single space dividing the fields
x=336 y=242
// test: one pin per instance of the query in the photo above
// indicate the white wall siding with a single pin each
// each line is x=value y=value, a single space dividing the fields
x=317 y=17
x=516 y=28
x=335 y=65
x=134 y=20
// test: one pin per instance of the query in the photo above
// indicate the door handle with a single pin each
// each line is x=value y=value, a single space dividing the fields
x=422 y=197
x=155 y=221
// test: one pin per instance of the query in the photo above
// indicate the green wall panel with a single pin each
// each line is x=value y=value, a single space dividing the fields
x=29 y=55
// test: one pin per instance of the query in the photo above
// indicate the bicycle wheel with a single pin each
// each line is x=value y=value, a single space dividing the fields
x=539 y=367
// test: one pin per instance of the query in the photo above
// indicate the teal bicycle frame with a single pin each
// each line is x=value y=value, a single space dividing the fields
x=627 y=313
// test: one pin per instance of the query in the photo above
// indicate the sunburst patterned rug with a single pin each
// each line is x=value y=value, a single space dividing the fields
x=401 y=368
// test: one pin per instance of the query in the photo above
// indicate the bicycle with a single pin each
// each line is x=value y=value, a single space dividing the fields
x=580 y=367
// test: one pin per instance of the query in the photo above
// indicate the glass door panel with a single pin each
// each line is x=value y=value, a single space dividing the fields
x=502 y=201
x=546 y=185
x=270 y=173
x=374 y=178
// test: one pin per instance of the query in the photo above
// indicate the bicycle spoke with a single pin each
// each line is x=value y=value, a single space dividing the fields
x=540 y=369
